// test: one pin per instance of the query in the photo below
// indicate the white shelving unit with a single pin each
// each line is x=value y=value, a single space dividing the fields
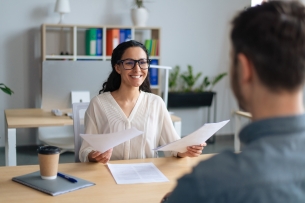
x=70 y=40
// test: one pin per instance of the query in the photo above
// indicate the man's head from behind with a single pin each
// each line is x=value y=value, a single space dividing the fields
x=270 y=40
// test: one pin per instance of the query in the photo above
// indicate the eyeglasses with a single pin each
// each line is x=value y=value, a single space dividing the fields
x=129 y=64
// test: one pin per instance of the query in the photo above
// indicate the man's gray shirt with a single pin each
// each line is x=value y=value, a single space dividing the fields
x=270 y=168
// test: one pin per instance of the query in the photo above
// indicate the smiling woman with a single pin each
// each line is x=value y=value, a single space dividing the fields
x=129 y=50
x=124 y=102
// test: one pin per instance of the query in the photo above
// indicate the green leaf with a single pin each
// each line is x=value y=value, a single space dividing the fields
x=189 y=79
x=206 y=81
x=217 y=79
x=197 y=76
x=6 y=89
x=172 y=80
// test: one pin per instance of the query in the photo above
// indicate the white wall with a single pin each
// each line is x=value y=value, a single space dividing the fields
x=203 y=42
x=194 y=32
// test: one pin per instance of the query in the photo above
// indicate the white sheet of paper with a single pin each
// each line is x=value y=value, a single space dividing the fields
x=199 y=136
x=136 y=173
x=103 y=142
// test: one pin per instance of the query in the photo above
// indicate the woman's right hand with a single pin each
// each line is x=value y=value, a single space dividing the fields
x=96 y=156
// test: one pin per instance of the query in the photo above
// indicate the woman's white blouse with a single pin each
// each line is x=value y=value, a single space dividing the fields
x=149 y=115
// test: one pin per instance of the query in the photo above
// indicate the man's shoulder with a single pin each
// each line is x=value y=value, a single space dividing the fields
x=223 y=172
x=215 y=166
x=209 y=178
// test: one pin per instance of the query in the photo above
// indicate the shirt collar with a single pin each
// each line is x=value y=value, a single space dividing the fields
x=272 y=127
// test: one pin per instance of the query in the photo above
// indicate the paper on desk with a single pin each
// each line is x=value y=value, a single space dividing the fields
x=199 y=136
x=103 y=142
x=136 y=173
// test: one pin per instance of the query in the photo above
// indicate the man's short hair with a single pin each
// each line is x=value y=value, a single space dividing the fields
x=272 y=36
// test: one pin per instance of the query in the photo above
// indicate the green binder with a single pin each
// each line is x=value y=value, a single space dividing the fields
x=91 y=37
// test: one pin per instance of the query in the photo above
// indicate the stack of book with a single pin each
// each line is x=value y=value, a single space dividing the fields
x=94 y=40
x=152 y=46
x=115 y=37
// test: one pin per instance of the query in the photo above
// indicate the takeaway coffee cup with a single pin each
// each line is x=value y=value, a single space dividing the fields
x=48 y=161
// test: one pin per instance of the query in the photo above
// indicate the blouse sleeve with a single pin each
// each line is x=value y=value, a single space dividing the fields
x=90 y=128
x=168 y=132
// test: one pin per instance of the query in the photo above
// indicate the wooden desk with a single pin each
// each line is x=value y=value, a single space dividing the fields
x=34 y=118
x=105 y=190
x=238 y=116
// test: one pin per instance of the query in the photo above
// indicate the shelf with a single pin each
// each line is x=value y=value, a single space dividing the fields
x=90 y=57
x=71 y=39
x=59 y=57
x=67 y=38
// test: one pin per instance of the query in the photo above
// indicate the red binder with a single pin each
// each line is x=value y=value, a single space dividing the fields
x=112 y=40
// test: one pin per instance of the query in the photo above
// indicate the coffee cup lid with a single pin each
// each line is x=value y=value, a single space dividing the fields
x=48 y=150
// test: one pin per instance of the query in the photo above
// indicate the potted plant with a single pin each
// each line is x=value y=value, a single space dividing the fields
x=184 y=94
x=139 y=14
x=6 y=89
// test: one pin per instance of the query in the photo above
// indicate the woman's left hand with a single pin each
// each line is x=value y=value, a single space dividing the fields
x=192 y=151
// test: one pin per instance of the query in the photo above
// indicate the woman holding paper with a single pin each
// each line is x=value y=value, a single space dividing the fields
x=125 y=101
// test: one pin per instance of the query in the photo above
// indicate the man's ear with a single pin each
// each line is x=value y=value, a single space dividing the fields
x=246 y=68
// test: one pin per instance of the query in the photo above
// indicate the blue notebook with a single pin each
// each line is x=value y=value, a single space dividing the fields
x=52 y=187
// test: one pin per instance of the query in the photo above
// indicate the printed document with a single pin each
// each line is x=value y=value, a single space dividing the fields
x=199 y=136
x=103 y=142
x=136 y=173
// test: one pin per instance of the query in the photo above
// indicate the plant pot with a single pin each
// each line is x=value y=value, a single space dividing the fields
x=190 y=99
x=139 y=16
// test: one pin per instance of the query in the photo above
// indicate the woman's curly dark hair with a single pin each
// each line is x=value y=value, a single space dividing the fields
x=114 y=80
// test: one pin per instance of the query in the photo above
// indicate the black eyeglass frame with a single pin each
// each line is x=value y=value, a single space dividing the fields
x=135 y=62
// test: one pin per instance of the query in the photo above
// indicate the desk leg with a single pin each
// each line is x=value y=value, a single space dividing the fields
x=236 y=138
x=177 y=126
x=10 y=147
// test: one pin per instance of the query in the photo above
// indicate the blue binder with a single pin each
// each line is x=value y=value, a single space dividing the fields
x=99 y=42
x=153 y=73
x=127 y=34
x=122 y=35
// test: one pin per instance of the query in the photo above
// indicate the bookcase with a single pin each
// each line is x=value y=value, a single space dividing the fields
x=68 y=42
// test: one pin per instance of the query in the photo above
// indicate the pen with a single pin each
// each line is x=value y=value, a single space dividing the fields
x=72 y=180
